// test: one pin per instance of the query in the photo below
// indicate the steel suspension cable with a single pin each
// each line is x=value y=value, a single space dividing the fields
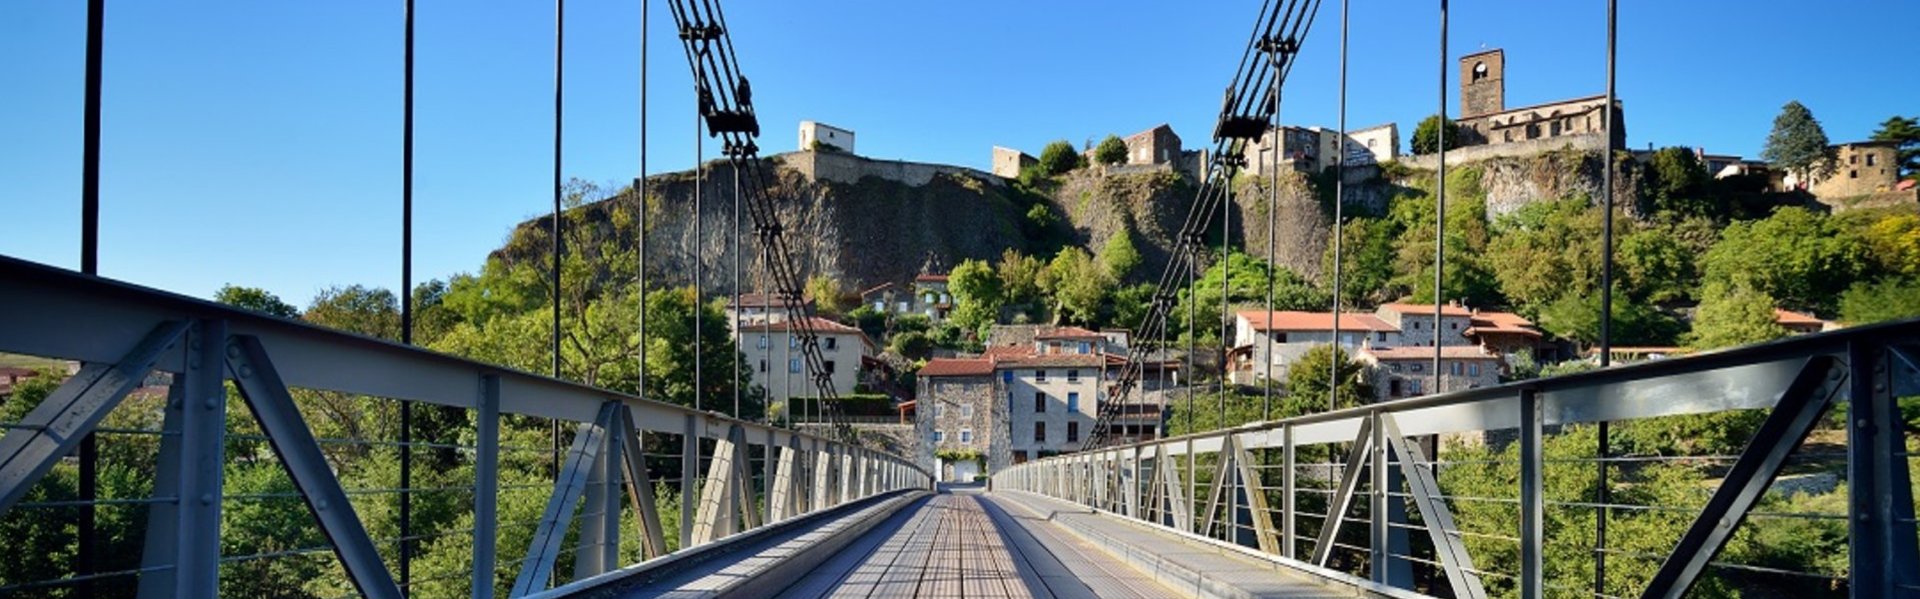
x=406 y=297
x=1440 y=212
x=739 y=332
x=1339 y=224
x=1273 y=231
x=640 y=206
x=555 y=247
x=699 y=263
x=1603 y=492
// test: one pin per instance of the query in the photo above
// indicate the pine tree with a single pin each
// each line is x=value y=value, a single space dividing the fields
x=1798 y=144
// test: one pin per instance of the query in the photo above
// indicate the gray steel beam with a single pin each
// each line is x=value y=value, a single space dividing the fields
x=653 y=541
x=1342 y=498
x=55 y=427
x=597 y=548
x=1288 y=511
x=287 y=432
x=1425 y=489
x=1882 y=554
x=486 y=486
x=186 y=533
x=568 y=486
x=689 y=475
x=1532 y=497
x=1797 y=412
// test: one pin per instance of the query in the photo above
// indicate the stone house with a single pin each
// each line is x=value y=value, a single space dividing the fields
x=1314 y=149
x=930 y=296
x=812 y=132
x=774 y=357
x=1052 y=400
x=1408 y=371
x=886 y=298
x=1007 y=162
x=1290 y=334
x=1158 y=145
x=1486 y=119
x=1506 y=333
x=1417 y=328
x=1859 y=168
x=762 y=307
x=956 y=403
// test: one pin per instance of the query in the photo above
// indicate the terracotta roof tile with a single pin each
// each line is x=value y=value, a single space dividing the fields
x=1425 y=309
x=1314 y=321
x=1791 y=317
x=1449 y=352
x=943 y=367
x=1067 y=333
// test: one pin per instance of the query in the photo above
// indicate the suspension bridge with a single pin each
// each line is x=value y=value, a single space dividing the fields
x=646 y=498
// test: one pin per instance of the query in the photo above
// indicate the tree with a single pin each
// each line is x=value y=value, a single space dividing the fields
x=1676 y=183
x=977 y=293
x=1366 y=256
x=670 y=355
x=1119 y=255
x=1733 y=314
x=1426 y=137
x=1875 y=301
x=827 y=294
x=1798 y=257
x=1111 y=151
x=1307 y=380
x=1249 y=286
x=1576 y=317
x=1894 y=244
x=1079 y=285
x=1058 y=158
x=872 y=322
x=1798 y=144
x=912 y=346
x=1467 y=278
x=1905 y=131
x=255 y=299
x=1655 y=265
x=1544 y=251
x=357 y=309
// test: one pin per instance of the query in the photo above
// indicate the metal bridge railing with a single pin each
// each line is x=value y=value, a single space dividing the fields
x=1497 y=491
x=182 y=393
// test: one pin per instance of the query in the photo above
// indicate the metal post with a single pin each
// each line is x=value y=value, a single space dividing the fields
x=90 y=264
x=559 y=79
x=738 y=333
x=1377 y=518
x=486 y=486
x=406 y=304
x=1287 y=515
x=1882 y=553
x=1532 y=497
x=1193 y=333
x=1339 y=224
x=1440 y=213
x=689 y=469
x=1226 y=291
x=1606 y=311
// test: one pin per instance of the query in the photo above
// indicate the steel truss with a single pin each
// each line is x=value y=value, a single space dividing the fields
x=120 y=333
x=1797 y=381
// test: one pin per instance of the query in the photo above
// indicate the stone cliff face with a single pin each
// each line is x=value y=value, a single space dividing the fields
x=879 y=229
x=863 y=233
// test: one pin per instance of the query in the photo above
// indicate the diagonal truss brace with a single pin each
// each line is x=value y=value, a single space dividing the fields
x=1342 y=498
x=55 y=427
x=571 y=483
x=1425 y=489
x=300 y=454
x=1785 y=428
x=653 y=540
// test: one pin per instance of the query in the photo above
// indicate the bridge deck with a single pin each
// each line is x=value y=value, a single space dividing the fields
x=968 y=544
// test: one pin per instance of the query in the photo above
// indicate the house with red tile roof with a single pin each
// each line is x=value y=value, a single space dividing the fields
x=1408 y=371
x=773 y=354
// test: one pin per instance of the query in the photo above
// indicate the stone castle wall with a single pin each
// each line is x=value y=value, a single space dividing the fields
x=848 y=168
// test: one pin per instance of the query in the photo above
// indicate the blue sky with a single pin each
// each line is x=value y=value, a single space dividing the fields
x=258 y=143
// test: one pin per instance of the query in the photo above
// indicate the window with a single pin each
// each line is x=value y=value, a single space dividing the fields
x=938 y=436
x=1473 y=369
x=833 y=342
x=1416 y=367
x=1086 y=348
x=1380 y=336
x=1039 y=402
x=1853 y=174
x=966 y=411
x=1039 y=432
x=763 y=342
x=792 y=342
x=1416 y=325
x=1454 y=369
x=1393 y=367
x=1073 y=432
x=1073 y=376
x=1479 y=71
x=939 y=411
x=1006 y=376
x=829 y=366
x=1869 y=160
x=793 y=365
x=966 y=436
x=763 y=366
x=1039 y=376
x=1280 y=338
x=1853 y=159
x=1073 y=403
x=1413 y=386
x=1393 y=387
x=1451 y=326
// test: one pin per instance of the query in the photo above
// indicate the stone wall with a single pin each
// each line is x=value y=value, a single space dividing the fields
x=1468 y=154
x=953 y=404
x=847 y=168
